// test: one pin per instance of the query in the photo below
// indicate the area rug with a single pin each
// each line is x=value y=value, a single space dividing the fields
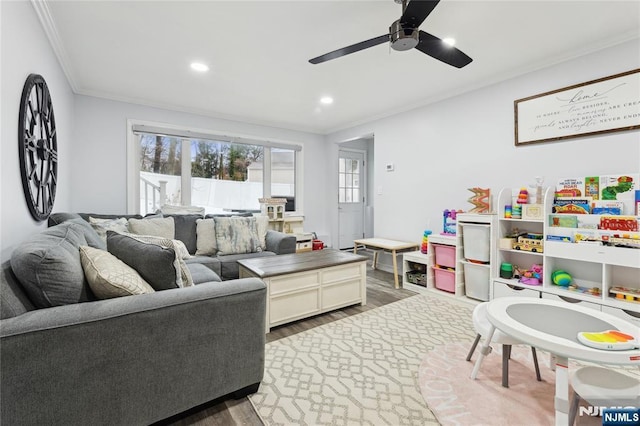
x=361 y=370
x=455 y=399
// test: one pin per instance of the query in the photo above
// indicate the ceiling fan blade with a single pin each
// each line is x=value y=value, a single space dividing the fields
x=350 y=49
x=438 y=49
x=417 y=11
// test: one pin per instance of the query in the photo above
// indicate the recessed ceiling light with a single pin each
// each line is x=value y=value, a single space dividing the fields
x=450 y=41
x=198 y=66
x=327 y=100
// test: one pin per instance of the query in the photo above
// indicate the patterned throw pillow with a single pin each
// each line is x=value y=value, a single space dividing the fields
x=206 y=237
x=160 y=227
x=262 y=224
x=103 y=225
x=110 y=277
x=237 y=235
x=177 y=245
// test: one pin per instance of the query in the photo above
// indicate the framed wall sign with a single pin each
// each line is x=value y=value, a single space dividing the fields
x=609 y=104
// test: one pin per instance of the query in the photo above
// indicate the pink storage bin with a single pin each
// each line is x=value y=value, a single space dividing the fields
x=445 y=255
x=445 y=279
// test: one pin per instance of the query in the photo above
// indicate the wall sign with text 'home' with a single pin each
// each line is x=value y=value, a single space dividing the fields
x=609 y=104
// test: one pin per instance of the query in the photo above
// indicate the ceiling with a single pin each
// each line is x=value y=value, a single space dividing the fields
x=258 y=52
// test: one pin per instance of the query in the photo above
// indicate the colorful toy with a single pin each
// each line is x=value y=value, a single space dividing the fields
x=480 y=200
x=508 y=211
x=561 y=278
x=625 y=293
x=611 y=340
x=523 y=196
x=533 y=276
x=516 y=212
x=425 y=241
x=534 y=245
x=449 y=222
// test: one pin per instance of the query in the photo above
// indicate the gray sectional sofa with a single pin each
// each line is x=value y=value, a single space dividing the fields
x=225 y=266
x=69 y=359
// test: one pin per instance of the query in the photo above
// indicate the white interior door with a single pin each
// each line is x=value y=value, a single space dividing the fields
x=351 y=197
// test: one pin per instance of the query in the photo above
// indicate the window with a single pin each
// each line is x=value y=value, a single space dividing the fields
x=348 y=180
x=219 y=175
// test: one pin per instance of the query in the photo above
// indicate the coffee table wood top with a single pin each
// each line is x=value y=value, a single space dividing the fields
x=270 y=266
x=385 y=244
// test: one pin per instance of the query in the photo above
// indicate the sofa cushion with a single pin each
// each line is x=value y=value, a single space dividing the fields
x=237 y=235
x=156 y=264
x=185 y=225
x=210 y=262
x=110 y=277
x=13 y=299
x=206 y=237
x=229 y=267
x=90 y=234
x=101 y=226
x=202 y=274
x=160 y=227
x=48 y=266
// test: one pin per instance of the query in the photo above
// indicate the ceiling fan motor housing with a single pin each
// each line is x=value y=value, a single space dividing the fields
x=403 y=37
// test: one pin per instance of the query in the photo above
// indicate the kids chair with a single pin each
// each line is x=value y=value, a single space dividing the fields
x=481 y=325
x=602 y=387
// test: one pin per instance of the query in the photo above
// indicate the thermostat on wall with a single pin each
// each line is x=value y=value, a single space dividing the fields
x=389 y=167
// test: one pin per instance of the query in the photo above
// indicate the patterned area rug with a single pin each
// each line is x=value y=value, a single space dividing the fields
x=361 y=370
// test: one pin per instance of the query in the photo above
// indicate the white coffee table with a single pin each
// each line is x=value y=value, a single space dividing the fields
x=553 y=326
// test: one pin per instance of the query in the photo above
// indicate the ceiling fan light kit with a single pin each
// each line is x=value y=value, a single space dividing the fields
x=404 y=34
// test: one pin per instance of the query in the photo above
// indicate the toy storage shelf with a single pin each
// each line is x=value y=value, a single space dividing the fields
x=475 y=232
x=595 y=269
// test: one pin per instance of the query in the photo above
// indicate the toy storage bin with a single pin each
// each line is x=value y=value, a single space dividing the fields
x=476 y=281
x=445 y=279
x=445 y=255
x=476 y=238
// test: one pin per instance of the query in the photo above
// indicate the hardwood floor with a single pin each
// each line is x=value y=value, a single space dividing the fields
x=226 y=412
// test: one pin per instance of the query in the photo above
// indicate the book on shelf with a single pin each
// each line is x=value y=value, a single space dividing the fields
x=572 y=205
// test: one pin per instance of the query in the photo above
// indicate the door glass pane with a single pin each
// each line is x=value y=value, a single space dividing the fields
x=341 y=195
x=355 y=166
x=356 y=195
x=160 y=171
x=341 y=180
x=341 y=165
x=349 y=196
x=348 y=180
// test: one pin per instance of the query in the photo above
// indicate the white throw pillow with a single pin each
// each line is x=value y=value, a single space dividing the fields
x=169 y=209
x=164 y=227
x=103 y=225
x=236 y=235
x=110 y=277
x=262 y=223
x=206 y=237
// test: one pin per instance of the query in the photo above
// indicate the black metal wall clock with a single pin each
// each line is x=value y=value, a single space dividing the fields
x=38 y=147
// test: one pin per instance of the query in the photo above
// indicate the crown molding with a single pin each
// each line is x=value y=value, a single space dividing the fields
x=48 y=25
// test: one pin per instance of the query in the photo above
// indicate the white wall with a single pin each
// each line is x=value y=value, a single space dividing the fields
x=99 y=175
x=442 y=149
x=25 y=49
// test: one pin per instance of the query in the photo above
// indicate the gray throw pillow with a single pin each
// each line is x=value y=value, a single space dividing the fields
x=186 y=230
x=155 y=264
x=90 y=234
x=48 y=266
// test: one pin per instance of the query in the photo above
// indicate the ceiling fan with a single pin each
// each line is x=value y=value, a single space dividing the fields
x=404 y=35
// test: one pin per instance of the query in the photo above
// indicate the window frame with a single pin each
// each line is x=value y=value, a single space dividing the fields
x=133 y=155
